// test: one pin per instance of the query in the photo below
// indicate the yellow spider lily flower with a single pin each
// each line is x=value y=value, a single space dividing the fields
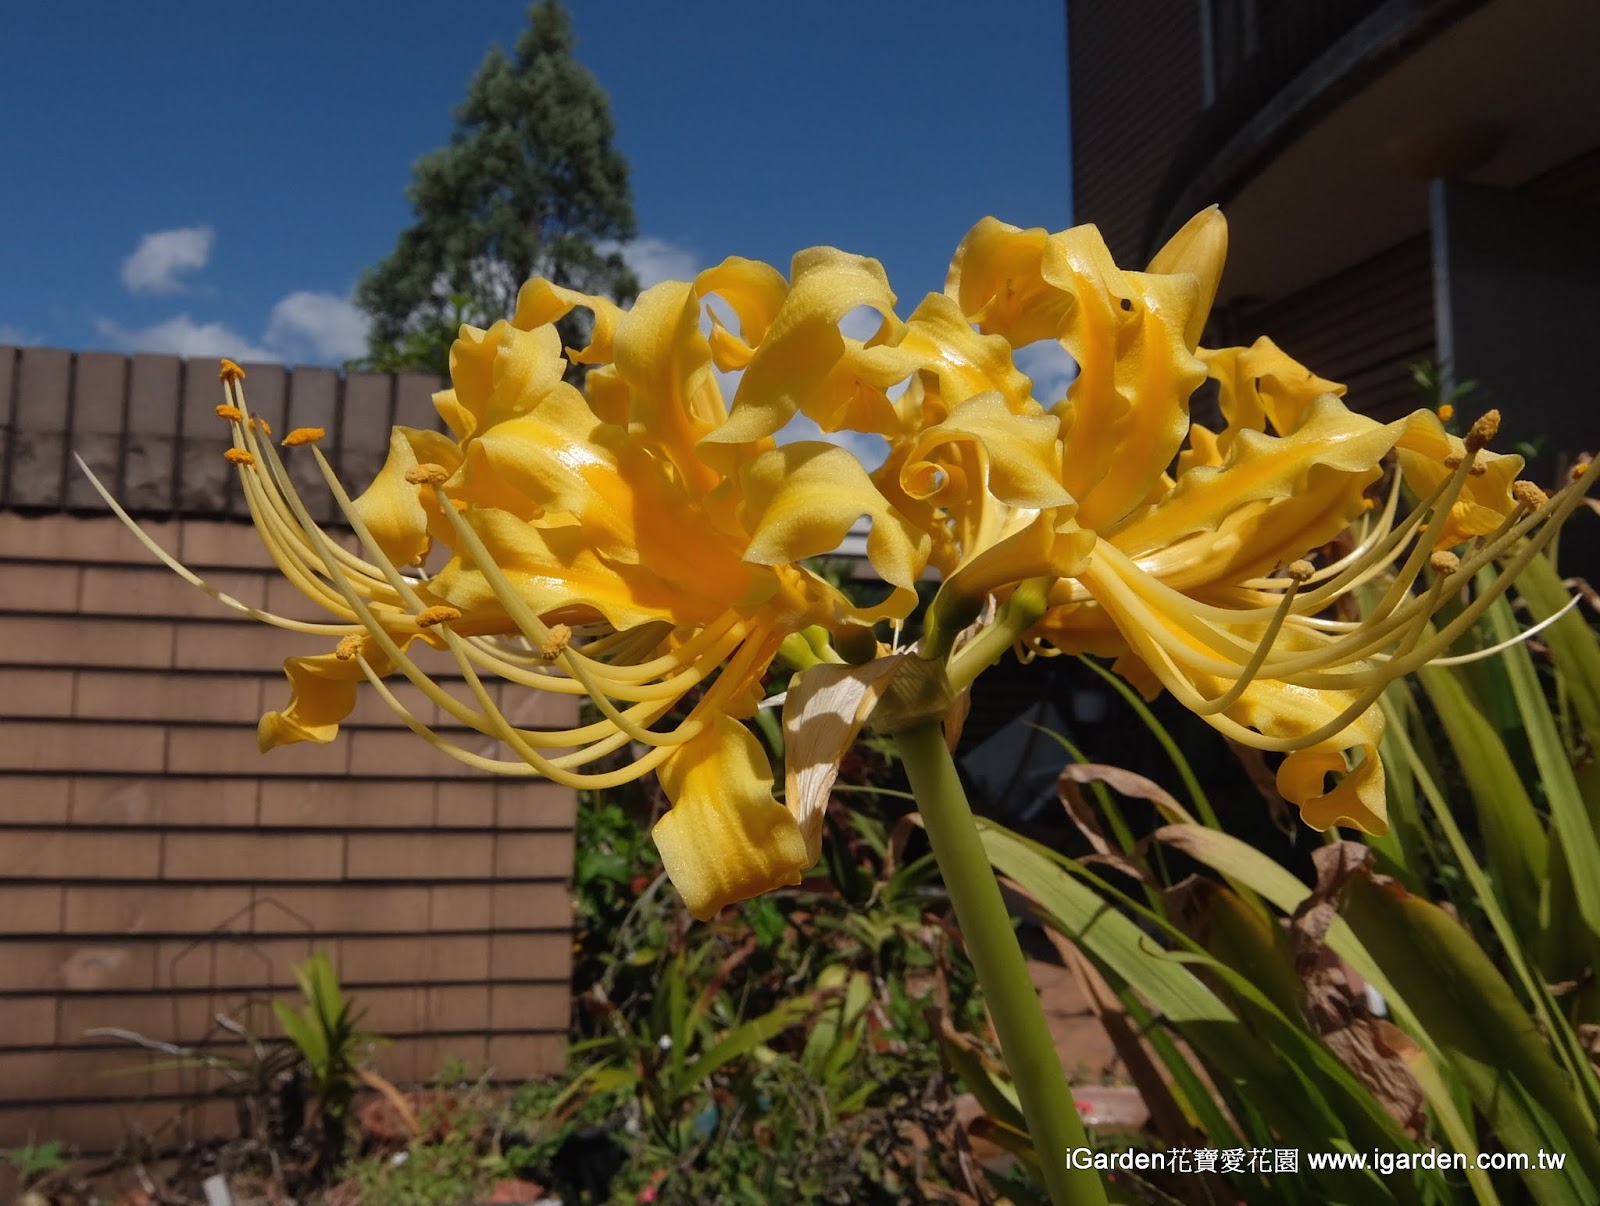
x=1180 y=579
x=618 y=543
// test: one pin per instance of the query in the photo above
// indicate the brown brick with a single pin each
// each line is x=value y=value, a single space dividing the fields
x=32 y=586
x=252 y=962
x=34 y=799
x=395 y=1010
x=528 y=1006
x=228 y=750
x=41 y=1076
x=30 y=909
x=400 y=752
x=35 y=693
x=168 y=696
x=242 y=646
x=164 y=801
x=533 y=855
x=68 y=854
x=461 y=907
x=253 y=857
x=348 y=909
x=52 y=966
x=531 y=956
x=284 y=598
x=459 y=1008
x=29 y=1022
x=210 y=544
x=534 y=804
x=530 y=709
x=68 y=538
x=346 y=803
x=139 y=591
x=523 y=1056
x=421 y=856
x=157 y=909
x=413 y=960
x=465 y=804
x=66 y=746
x=531 y=906
x=67 y=641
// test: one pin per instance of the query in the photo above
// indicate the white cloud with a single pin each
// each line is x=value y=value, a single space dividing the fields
x=16 y=337
x=162 y=257
x=319 y=327
x=182 y=336
x=1051 y=368
x=655 y=260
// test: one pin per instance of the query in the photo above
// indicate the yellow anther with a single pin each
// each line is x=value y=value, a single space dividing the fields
x=261 y=425
x=1453 y=461
x=430 y=475
x=232 y=413
x=239 y=456
x=439 y=614
x=1578 y=470
x=1369 y=504
x=1529 y=495
x=556 y=642
x=1446 y=412
x=351 y=646
x=230 y=371
x=1444 y=563
x=303 y=435
x=1483 y=430
x=1301 y=571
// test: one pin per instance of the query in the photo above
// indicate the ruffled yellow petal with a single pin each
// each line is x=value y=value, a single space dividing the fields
x=1050 y=546
x=665 y=362
x=322 y=693
x=1270 y=501
x=725 y=838
x=1259 y=387
x=755 y=292
x=1020 y=455
x=800 y=501
x=540 y=303
x=1127 y=410
x=997 y=277
x=792 y=367
x=402 y=515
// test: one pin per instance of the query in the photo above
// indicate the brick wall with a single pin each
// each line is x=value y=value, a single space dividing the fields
x=154 y=868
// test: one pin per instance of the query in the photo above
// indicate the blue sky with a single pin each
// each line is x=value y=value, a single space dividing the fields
x=211 y=178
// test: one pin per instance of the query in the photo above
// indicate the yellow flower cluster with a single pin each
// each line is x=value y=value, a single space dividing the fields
x=644 y=538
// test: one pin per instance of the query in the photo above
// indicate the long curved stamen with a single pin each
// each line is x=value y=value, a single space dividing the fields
x=1478 y=655
x=307 y=627
x=1298 y=572
x=290 y=546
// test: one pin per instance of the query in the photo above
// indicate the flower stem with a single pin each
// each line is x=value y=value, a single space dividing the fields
x=1008 y=991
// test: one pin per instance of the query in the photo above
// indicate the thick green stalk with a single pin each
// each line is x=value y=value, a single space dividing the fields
x=1008 y=991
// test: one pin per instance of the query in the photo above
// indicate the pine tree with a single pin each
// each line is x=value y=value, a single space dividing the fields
x=529 y=185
